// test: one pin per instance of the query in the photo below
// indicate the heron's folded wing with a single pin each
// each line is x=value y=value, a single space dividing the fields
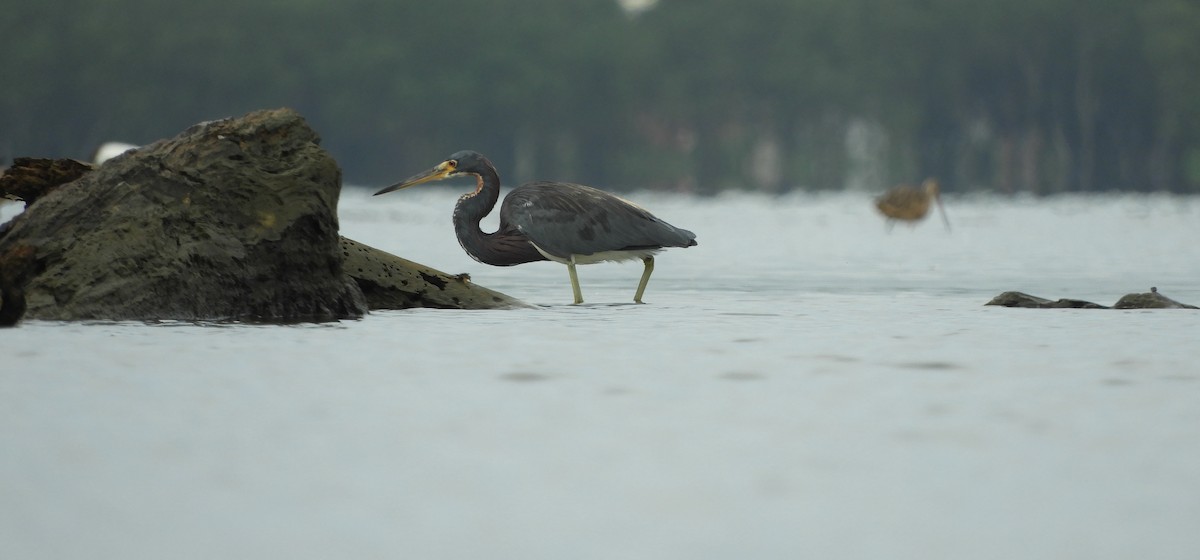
x=565 y=219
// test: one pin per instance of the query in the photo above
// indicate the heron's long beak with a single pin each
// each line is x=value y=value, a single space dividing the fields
x=439 y=172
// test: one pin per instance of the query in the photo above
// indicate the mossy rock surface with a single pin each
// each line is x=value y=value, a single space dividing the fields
x=231 y=220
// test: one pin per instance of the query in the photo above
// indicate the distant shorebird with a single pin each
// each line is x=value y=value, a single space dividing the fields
x=109 y=150
x=911 y=204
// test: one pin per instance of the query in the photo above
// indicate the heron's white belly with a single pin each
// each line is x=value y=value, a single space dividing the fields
x=602 y=256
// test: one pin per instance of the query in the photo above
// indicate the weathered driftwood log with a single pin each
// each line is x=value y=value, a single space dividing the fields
x=1149 y=300
x=390 y=282
x=230 y=220
x=28 y=179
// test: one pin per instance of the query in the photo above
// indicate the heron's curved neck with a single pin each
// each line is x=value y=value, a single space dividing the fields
x=506 y=246
x=471 y=209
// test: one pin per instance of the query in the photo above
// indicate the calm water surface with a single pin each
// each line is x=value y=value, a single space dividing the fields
x=801 y=384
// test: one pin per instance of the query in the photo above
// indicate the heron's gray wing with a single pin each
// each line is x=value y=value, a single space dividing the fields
x=566 y=219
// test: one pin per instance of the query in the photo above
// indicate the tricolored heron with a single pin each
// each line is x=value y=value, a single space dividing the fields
x=562 y=222
x=911 y=204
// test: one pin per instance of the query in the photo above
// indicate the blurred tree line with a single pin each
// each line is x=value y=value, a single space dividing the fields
x=1039 y=96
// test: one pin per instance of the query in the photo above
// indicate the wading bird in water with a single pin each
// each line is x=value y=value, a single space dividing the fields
x=562 y=222
x=910 y=203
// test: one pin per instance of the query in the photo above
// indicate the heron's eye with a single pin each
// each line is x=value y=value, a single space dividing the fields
x=452 y=164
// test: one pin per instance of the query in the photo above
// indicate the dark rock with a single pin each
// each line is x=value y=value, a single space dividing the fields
x=230 y=220
x=1018 y=299
x=1150 y=300
x=390 y=282
x=12 y=306
x=12 y=284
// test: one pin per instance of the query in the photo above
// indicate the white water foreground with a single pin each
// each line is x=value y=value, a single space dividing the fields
x=801 y=384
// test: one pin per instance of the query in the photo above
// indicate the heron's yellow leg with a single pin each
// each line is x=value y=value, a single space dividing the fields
x=649 y=262
x=574 y=281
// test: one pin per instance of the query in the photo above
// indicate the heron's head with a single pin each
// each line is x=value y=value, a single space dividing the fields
x=465 y=162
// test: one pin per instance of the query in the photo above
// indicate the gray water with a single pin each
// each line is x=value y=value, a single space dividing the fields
x=801 y=384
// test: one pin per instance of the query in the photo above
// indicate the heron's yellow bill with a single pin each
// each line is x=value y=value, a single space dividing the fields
x=437 y=173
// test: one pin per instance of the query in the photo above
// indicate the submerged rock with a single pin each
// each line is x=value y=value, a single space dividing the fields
x=230 y=220
x=1019 y=299
x=1151 y=300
